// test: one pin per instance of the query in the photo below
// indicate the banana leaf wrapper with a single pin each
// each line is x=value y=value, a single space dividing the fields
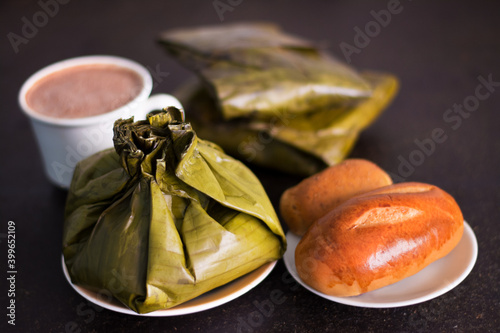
x=165 y=216
x=302 y=145
x=255 y=69
x=273 y=99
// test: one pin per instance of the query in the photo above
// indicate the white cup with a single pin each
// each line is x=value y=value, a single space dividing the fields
x=63 y=142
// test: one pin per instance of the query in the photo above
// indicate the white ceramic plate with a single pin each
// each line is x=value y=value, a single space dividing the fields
x=436 y=279
x=209 y=300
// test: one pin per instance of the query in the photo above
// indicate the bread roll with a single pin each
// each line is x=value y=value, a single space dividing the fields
x=378 y=238
x=303 y=204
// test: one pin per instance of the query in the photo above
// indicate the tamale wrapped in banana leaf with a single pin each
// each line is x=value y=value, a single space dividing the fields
x=274 y=99
x=169 y=213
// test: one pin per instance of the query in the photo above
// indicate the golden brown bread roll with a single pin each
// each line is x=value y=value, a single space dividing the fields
x=378 y=238
x=303 y=204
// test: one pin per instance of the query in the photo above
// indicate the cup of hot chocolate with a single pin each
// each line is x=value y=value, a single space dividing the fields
x=73 y=104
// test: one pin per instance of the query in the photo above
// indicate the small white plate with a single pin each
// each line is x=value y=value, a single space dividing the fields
x=209 y=300
x=434 y=280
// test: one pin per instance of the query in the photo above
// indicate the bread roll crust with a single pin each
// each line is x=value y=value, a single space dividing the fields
x=378 y=238
x=303 y=204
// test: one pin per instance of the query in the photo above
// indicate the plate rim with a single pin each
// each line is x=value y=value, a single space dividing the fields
x=182 y=309
x=468 y=236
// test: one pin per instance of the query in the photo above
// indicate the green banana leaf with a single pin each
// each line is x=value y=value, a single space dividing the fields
x=302 y=145
x=254 y=69
x=165 y=216
x=273 y=99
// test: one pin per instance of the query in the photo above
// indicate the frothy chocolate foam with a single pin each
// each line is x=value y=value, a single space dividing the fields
x=83 y=91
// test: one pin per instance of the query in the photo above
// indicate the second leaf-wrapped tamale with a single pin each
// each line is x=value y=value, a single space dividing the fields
x=273 y=99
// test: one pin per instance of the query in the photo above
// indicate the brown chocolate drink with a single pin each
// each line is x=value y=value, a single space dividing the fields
x=83 y=91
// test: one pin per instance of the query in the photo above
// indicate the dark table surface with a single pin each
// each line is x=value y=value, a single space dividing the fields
x=437 y=49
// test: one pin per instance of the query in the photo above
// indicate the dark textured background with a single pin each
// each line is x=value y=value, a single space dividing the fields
x=437 y=49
